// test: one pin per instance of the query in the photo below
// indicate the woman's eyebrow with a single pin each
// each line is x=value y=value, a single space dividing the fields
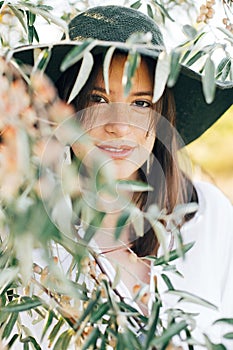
x=138 y=93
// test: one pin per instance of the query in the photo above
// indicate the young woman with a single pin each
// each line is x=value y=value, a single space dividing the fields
x=139 y=139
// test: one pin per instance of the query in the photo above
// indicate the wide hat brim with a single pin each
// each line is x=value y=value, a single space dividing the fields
x=193 y=115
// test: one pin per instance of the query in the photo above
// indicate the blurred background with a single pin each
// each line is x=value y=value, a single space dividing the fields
x=211 y=155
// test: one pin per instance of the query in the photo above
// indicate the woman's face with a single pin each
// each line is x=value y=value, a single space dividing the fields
x=122 y=126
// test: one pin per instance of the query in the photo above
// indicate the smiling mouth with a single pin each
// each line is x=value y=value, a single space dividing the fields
x=120 y=152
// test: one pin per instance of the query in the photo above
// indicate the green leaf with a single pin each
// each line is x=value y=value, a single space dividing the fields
x=12 y=340
x=121 y=222
x=175 y=68
x=18 y=14
x=99 y=313
x=91 y=339
x=42 y=60
x=190 y=31
x=131 y=65
x=228 y=335
x=212 y=346
x=153 y=321
x=226 y=71
x=75 y=54
x=30 y=303
x=55 y=331
x=173 y=329
x=137 y=220
x=10 y=325
x=88 y=310
x=167 y=281
x=136 y=5
x=93 y=226
x=49 y=320
x=208 y=80
x=149 y=11
x=133 y=186
x=173 y=254
x=195 y=58
x=163 y=10
x=35 y=34
x=63 y=340
x=162 y=71
x=31 y=340
x=224 y=320
x=191 y=298
x=83 y=75
x=106 y=65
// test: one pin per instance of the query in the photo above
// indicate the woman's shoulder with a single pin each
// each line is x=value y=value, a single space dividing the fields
x=214 y=206
x=211 y=194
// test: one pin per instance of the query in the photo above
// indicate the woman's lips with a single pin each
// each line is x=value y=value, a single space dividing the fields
x=120 y=152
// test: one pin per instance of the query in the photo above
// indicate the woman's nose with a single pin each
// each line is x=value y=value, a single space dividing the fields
x=118 y=122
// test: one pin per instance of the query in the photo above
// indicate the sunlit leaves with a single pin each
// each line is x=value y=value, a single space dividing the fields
x=208 y=80
x=83 y=75
x=161 y=75
x=131 y=65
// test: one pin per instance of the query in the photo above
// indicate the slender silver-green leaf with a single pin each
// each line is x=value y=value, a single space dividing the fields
x=149 y=11
x=189 y=297
x=101 y=311
x=190 y=31
x=226 y=70
x=174 y=254
x=175 y=68
x=131 y=65
x=55 y=331
x=160 y=233
x=121 y=222
x=31 y=340
x=84 y=72
x=174 y=329
x=167 y=281
x=136 y=5
x=211 y=346
x=49 y=320
x=63 y=340
x=106 y=65
x=9 y=325
x=224 y=320
x=117 y=277
x=137 y=220
x=133 y=186
x=19 y=14
x=228 y=335
x=161 y=75
x=208 y=80
x=42 y=60
x=90 y=343
x=163 y=10
x=37 y=10
x=152 y=325
x=75 y=54
x=25 y=305
x=195 y=58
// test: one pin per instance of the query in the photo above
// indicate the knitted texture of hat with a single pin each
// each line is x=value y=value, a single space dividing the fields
x=113 y=23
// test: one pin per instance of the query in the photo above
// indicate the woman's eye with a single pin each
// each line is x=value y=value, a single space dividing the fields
x=142 y=103
x=97 y=98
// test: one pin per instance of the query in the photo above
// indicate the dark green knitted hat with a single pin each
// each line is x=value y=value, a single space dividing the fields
x=117 y=24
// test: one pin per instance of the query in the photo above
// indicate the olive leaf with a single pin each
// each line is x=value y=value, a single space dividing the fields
x=131 y=65
x=161 y=75
x=208 y=80
x=106 y=65
x=83 y=74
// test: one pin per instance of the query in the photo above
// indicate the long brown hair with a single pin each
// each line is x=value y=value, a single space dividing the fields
x=170 y=185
